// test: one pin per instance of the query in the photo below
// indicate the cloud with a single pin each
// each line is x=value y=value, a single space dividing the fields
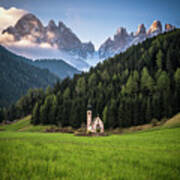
x=45 y=51
x=9 y=17
x=25 y=47
x=26 y=42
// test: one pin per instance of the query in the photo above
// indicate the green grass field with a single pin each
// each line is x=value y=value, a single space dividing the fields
x=147 y=155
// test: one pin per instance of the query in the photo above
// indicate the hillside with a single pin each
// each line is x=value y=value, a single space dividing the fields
x=17 y=76
x=58 y=67
x=24 y=125
x=173 y=122
x=128 y=90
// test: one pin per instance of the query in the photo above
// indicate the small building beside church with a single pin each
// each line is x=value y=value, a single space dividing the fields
x=95 y=125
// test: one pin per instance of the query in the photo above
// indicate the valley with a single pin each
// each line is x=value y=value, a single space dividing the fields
x=150 y=154
x=89 y=90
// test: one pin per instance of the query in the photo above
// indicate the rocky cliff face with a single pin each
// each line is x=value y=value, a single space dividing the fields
x=122 y=40
x=141 y=30
x=30 y=27
x=155 y=28
x=118 y=44
x=27 y=26
x=75 y=52
x=169 y=27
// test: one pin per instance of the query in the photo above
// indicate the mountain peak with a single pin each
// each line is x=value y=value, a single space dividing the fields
x=121 y=31
x=141 y=30
x=61 y=24
x=155 y=28
x=51 y=25
x=62 y=37
x=169 y=27
x=29 y=24
x=28 y=19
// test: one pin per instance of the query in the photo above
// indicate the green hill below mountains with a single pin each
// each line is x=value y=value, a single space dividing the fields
x=17 y=76
x=129 y=89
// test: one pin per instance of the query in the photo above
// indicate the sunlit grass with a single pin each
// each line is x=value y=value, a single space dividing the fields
x=24 y=125
x=145 y=155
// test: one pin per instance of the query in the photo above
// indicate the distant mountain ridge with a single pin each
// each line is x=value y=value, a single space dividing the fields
x=17 y=76
x=70 y=48
x=30 y=28
x=122 y=40
x=58 y=67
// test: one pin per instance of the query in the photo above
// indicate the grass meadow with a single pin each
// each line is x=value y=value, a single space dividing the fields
x=144 y=155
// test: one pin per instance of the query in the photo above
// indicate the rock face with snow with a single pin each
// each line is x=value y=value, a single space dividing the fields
x=122 y=40
x=141 y=30
x=118 y=44
x=29 y=27
x=155 y=29
x=69 y=46
x=169 y=27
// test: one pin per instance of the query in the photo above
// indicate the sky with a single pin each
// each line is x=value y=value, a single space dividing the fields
x=94 y=20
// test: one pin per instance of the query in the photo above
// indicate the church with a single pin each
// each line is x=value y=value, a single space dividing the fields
x=96 y=125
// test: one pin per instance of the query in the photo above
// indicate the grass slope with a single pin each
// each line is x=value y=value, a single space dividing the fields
x=143 y=155
x=173 y=122
x=23 y=125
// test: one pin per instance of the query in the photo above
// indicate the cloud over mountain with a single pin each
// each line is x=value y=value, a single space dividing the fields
x=8 y=17
x=31 y=38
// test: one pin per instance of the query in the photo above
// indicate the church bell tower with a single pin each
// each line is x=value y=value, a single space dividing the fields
x=89 y=117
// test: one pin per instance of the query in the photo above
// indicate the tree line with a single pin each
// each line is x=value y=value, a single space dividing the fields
x=129 y=89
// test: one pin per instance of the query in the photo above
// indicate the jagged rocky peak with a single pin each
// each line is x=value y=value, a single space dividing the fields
x=105 y=48
x=27 y=25
x=110 y=47
x=89 y=47
x=121 y=31
x=62 y=27
x=61 y=24
x=141 y=30
x=51 y=25
x=155 y=28
x=107 y=43
x=169 y=27
x=120 y=36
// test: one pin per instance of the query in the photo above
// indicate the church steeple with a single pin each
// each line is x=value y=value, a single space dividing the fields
x=89 y=117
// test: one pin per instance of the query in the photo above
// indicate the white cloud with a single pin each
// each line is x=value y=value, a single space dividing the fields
x=6 y=38
x=45 y=51
x=9 y=17
x=26 y=42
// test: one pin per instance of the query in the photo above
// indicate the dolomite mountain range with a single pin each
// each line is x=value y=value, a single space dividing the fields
x=70 y=48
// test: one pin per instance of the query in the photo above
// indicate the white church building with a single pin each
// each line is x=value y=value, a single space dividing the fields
x=96 y=125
